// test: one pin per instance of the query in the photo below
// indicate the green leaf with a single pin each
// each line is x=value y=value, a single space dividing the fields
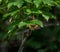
x=22 y=24
x=48 y=15
x=10 y=5
x=5 y=15
x=10 y=14
x=16 y=3
x=37 y=3
x=36 y=12
x=29 y=1
x=14 y=12
x=28 y=11
x=57 y=3
x=38 y=22
x=48 y=2
x=12 y=26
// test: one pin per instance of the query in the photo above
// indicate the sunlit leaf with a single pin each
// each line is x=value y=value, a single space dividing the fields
x=48 y=15
x=16 y=3
x=22 y=24
x=38 y=22
x=37 y=3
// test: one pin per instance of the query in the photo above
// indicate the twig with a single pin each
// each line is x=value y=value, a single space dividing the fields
x=23 y=40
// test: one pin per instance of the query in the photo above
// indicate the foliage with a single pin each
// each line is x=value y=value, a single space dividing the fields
x=15 y=15
x=20 y=10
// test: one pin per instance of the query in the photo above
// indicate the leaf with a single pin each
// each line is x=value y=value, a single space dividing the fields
x=48 y=2
x=38 y=22
x=22 y=24
x=29 y=1
x=36 y=12
x=16 y=3
x=28 y=11
x=57 y=3
x=10 y=14
x=12 y=26
x=48 y=15
x=37 y=3
x=5 y=15
x=14 y=12
x=10 y=5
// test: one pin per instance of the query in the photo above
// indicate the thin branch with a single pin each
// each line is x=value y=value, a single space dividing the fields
x=52 y=24
x=21 y=46
x=24 y=38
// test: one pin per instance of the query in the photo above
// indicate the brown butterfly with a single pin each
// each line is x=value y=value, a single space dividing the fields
x=31 y=27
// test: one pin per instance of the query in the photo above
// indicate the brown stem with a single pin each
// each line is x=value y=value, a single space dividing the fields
x=21 y=47
x=23 y=40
